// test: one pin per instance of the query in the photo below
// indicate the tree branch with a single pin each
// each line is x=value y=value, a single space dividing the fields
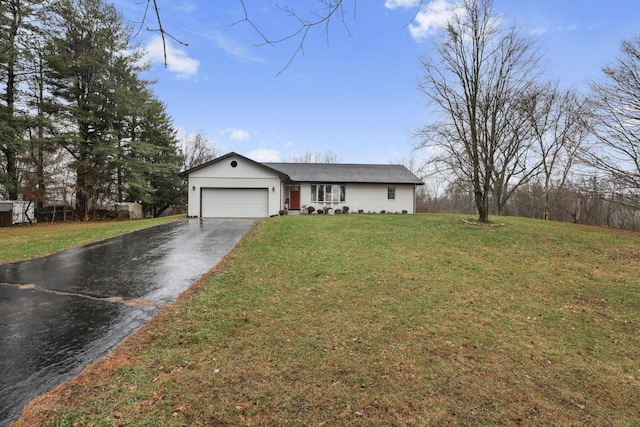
x=160 y=28
x=333 y=7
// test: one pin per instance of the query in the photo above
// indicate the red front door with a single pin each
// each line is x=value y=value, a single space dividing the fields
x=294 y=197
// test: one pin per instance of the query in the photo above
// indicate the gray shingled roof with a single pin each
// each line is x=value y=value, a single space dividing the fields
x=346 y=173
x=329 y=172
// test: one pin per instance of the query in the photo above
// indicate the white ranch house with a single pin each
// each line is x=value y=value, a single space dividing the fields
x=236 y=186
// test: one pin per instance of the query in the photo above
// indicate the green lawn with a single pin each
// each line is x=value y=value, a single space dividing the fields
x=388 y=320
x=22 y=242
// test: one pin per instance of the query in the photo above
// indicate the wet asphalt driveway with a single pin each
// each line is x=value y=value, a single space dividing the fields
x=60 y=312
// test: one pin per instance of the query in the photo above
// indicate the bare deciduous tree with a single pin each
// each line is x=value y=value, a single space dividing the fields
x=475 y=82
x=617 y=126
x=558 y=123
x=196 y=149
x=311 y=157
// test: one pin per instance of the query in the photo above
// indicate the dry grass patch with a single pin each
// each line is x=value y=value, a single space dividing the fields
x=389 y=320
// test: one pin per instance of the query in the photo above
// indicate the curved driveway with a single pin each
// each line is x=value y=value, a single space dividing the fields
x=60 y=312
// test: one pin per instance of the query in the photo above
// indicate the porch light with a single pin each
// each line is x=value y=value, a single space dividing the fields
x=273 y=189
x=193 y=188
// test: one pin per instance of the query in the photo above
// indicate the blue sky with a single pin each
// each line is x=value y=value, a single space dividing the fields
x=354 y=91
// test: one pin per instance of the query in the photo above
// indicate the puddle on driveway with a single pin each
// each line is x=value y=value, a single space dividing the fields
x=69 y=309
x=51 y=336
x=141 y=303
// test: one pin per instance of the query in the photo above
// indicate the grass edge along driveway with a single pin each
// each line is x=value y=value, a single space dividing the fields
x=22 y=242
x=385 y=320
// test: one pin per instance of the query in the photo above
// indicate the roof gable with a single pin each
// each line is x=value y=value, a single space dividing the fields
x=231 y=155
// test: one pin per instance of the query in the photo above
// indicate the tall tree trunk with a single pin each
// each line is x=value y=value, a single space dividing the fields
x=40 y=179
x=12 y=173
x=82 y=190
x=9 y=145
x=482 y=204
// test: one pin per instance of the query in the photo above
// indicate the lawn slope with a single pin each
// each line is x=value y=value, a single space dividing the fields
x=385 y=320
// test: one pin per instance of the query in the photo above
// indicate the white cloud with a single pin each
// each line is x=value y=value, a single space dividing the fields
x=538 y=31
x=229 y=45
x=237 y=134
x=264 y=155
x=431 y=16
x=188 y=6
x=178 y=61
x=392 y=4
x=233 y=47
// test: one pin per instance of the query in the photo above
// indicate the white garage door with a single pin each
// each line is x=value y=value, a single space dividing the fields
x=235 y=202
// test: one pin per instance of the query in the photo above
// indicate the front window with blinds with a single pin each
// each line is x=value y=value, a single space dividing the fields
x=328 y=193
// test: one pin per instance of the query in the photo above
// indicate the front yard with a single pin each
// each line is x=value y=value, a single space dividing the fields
x=385 y=320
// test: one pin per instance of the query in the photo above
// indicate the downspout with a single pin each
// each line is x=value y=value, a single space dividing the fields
x=415 y=202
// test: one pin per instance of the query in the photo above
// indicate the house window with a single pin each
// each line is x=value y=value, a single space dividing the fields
x=391 y=192
x=328 y=193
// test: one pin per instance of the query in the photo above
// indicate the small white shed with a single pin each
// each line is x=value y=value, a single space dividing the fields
x=6 y=214
x=16 y=212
